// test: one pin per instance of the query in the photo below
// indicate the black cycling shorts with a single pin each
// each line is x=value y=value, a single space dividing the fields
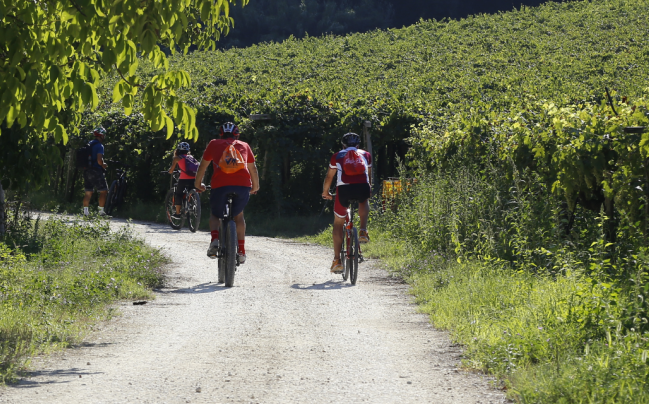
x=187 y=184
x=218 y=199
x=350 y=192
x=94 y=178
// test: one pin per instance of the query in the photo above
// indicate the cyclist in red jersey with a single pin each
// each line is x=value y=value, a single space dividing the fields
x=186 y=179
x=353 y=169
x=234 y=172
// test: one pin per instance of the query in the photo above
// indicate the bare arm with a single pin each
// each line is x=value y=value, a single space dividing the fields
x=254 y=177
x=100 y=160
x=198 y=182
x=173 y=164
x=331 y=173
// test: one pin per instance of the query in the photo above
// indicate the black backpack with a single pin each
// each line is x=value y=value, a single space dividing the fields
x=84 y=155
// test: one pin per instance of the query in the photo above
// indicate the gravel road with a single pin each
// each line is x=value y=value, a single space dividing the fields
x=287 y=332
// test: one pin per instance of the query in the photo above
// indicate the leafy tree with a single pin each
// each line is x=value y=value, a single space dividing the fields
x=54 y=54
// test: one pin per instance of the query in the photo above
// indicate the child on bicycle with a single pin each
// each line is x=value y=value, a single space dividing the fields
x=188 y=166
x=235 y=172
x=353 y=168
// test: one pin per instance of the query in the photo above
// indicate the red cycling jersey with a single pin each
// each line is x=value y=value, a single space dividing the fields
x=345 y=179
x=213 y=153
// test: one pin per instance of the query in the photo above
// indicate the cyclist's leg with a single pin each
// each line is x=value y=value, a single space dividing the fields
x=88 y=188
x=361 y=192
x=238 y=205
x=241 y=226
x=180 y=189
x=217 y=207
x=340 y=212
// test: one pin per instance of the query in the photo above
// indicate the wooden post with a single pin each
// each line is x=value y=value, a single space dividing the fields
x=368 y=146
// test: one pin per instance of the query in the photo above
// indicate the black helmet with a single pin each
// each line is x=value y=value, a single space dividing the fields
x=351 y=139
x=229 y=129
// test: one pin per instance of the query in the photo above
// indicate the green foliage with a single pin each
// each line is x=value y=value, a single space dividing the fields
x=62 y=280
x=55 y=55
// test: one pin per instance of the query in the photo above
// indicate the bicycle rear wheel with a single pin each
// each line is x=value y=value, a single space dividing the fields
x=170 y=209
x=221 y=254
x=112 y=197
x=193 y=210
x=230 y=253
x=353 y=267
x=343 y=256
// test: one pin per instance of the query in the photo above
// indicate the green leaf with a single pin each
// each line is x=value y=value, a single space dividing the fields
x=170 y=127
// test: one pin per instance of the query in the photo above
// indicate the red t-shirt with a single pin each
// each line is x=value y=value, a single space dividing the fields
x=345 y=179
x=213 y=153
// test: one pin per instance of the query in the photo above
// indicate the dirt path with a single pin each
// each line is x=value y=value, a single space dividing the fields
x=288 y=332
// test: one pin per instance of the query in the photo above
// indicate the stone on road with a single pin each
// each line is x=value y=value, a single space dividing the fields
x=287 y=332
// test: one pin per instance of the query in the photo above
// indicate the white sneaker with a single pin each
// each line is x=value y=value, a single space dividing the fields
x=242 y=258
x=213 y=249
x=105 y=215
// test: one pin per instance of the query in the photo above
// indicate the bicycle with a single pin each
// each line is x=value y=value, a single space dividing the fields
x=117 y=188
x=227 y=254
x=190 y=206
x=351 y=254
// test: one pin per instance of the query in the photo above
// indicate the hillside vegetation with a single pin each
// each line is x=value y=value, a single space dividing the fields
x=429 y=76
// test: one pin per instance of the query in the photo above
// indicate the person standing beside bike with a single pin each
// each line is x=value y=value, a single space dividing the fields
x=188 y=166
x=95 y=175
x=353 y=169
x=235 y=173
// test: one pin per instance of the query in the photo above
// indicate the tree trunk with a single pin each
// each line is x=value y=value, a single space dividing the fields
x=74 y=180
x=2 y=211
x=611 y=225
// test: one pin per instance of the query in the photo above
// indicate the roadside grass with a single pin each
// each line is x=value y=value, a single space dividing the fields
x=537 y=333
x=558 y=319
x=58 y=277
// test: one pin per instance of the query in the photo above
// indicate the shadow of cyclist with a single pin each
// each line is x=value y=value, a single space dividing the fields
x=208 y=287
x=329 y=285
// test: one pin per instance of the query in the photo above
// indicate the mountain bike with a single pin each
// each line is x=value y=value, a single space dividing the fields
x=190 y=206
x=350 y=253
x=117 y=188
x=227 y=255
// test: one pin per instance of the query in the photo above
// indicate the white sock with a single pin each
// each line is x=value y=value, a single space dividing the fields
x=85 y=211
x=101 y=209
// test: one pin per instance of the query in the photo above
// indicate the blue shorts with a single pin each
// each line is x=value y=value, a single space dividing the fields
x=218 y=199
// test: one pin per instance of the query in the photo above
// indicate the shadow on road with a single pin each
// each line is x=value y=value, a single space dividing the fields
x=55 y=377
x=208 y=287
x=329 y=285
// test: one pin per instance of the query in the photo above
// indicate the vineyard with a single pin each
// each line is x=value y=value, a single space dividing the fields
x=420 y=81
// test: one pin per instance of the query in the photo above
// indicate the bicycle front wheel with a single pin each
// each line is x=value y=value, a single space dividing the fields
x=353 y=267
x=111 y=198
x=170 y=209
x=193 y=210
x=230 y=253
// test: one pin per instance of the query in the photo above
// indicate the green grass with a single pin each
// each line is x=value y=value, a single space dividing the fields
x=62 y=279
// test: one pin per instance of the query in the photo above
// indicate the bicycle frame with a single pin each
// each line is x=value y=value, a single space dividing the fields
x=224 y=225
x=349 y=227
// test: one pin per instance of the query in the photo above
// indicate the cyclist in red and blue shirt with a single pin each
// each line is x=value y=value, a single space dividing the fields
x=352 y=184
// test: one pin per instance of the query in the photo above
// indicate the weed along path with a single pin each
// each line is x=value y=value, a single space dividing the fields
x=287 y=332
